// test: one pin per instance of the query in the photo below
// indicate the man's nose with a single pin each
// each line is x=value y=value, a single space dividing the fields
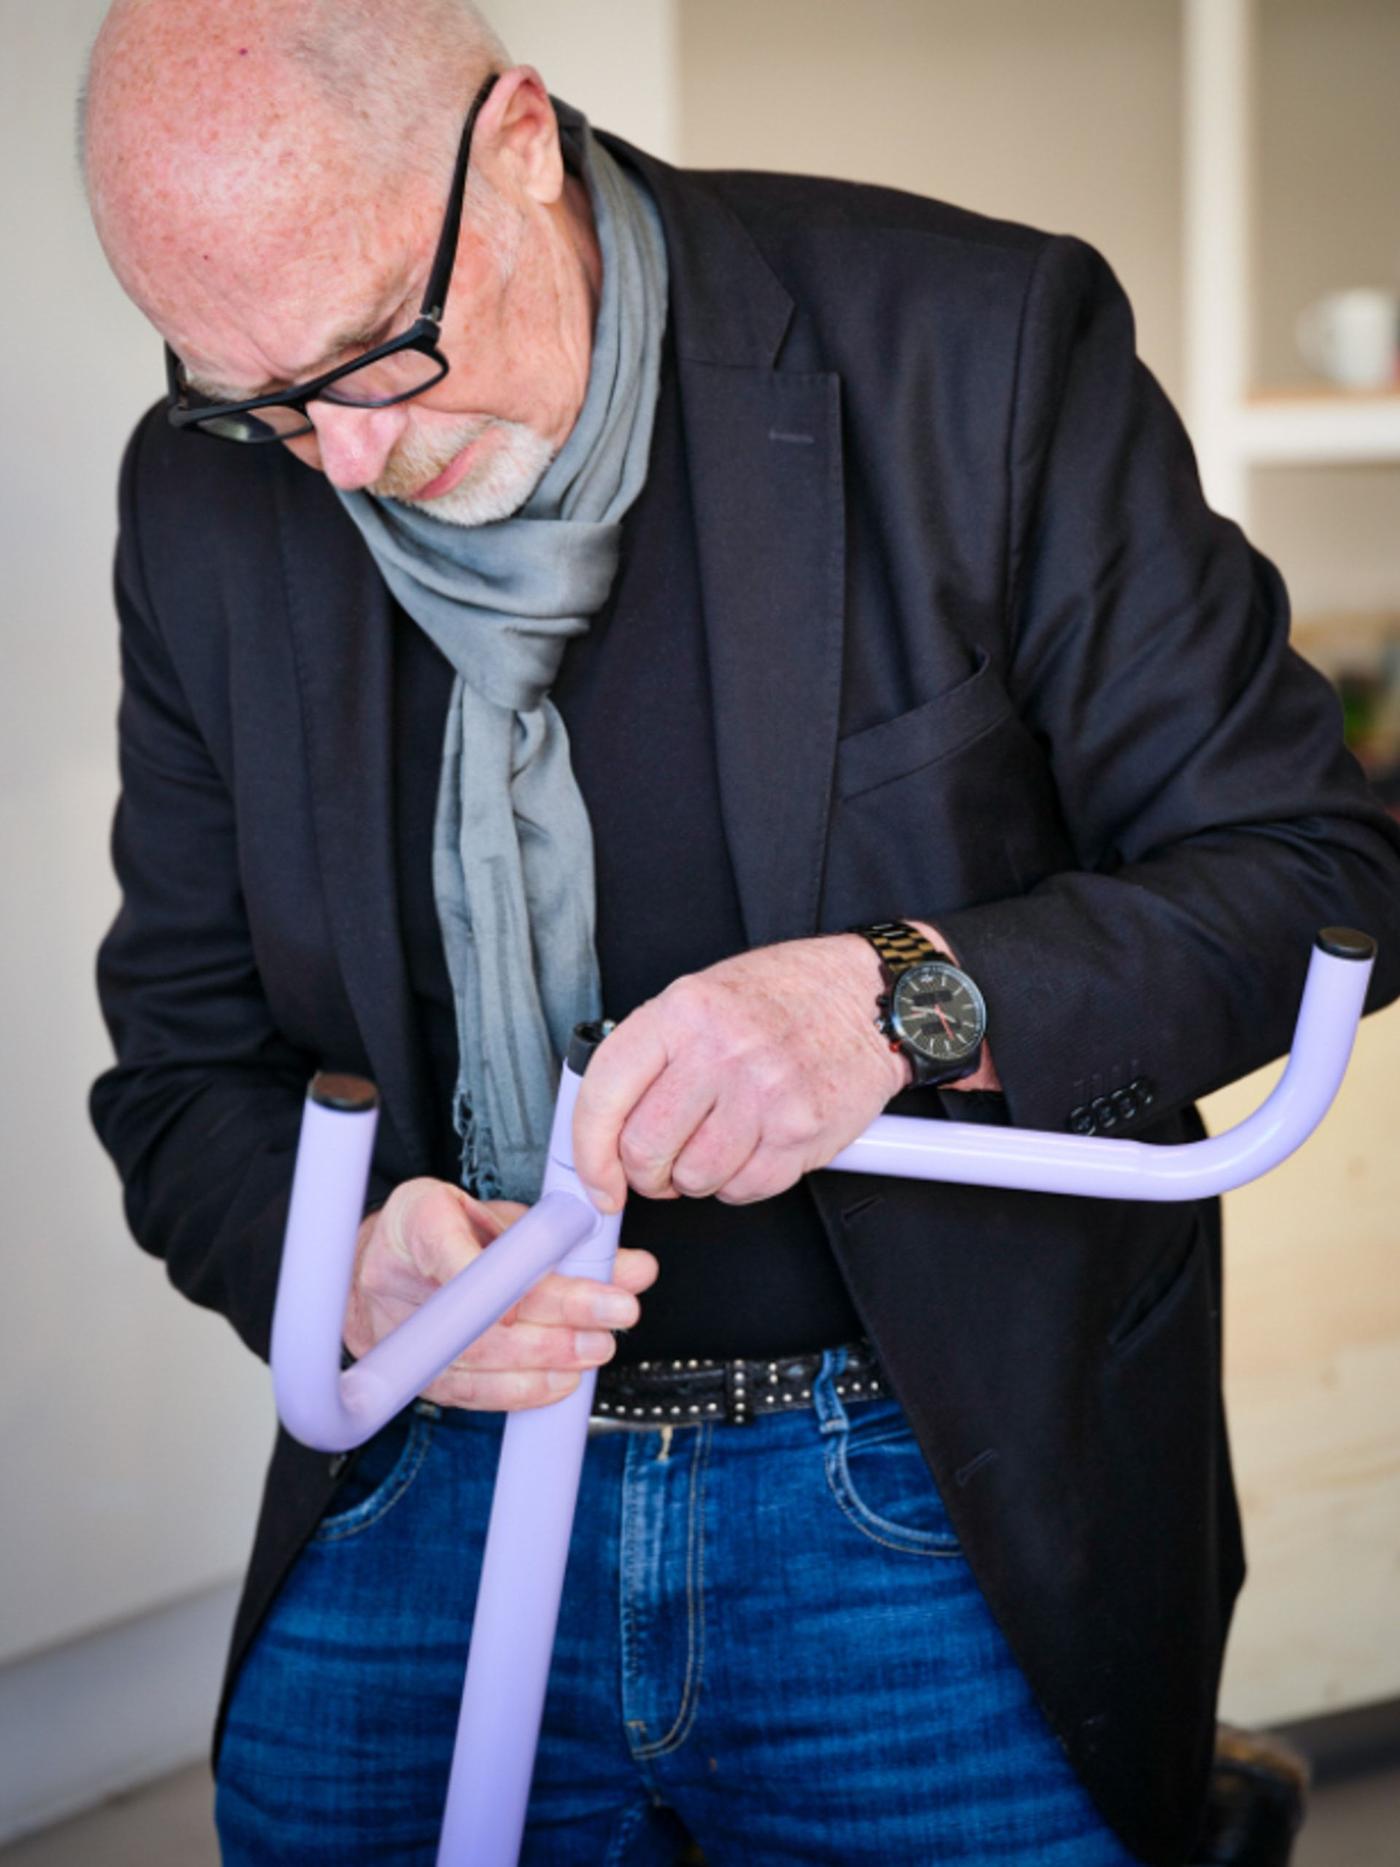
x=355 y=443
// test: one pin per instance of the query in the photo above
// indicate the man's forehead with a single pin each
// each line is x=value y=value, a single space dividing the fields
x=236 y=360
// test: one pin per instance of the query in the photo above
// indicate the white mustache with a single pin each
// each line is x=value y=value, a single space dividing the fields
x=418 y=461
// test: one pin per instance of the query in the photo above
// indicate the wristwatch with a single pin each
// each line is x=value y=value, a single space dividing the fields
x=930 y=1008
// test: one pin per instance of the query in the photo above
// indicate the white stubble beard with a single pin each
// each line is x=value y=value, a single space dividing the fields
x=495 y=490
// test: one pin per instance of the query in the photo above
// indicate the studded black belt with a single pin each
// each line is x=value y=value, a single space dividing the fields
x=669 y=1393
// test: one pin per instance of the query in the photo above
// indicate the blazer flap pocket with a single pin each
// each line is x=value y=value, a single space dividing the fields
x=929 y=732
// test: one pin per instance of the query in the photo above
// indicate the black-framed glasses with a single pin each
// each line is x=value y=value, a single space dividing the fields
x=391 y=372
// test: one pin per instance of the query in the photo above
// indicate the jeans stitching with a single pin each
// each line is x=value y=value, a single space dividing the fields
x=410 y=1463
x=694 y=1608
x=627 y=1563
x=869 y=1522
x=881 y=1435
x=623 y=1834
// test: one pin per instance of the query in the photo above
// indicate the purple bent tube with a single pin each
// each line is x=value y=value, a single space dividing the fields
x=542 y=1450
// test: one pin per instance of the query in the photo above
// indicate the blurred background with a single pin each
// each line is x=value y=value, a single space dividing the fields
x=1237 y=163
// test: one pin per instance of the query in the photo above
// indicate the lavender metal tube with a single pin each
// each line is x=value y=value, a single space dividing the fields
x=318 y=1404
x=1097 y=1167
x=522 y=1574
x=542 y=1451
x=541 y=1460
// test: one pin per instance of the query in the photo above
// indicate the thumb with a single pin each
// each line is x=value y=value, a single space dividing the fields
x=445 y=1230
x=494 y=1216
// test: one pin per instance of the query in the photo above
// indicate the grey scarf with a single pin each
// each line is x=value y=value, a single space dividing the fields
x=513 y=848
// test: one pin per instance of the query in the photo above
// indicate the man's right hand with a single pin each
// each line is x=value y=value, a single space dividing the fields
x=428 y=1231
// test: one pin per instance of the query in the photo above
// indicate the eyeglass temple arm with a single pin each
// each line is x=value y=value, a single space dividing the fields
x=435 y=297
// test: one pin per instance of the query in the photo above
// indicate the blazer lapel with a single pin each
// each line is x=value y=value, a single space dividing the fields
x=764 y=451
x=765 y=466
x=342 y=627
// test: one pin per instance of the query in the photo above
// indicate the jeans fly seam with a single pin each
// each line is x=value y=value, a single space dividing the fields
x=623 y=1834
x=626 y=1572
x=694 y=1608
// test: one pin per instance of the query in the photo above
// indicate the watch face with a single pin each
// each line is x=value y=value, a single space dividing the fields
x=939 y=1012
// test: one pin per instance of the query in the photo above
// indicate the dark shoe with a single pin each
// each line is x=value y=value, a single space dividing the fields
x=1258 y=1796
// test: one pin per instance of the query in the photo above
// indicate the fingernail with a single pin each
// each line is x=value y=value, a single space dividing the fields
x=604 y=1202
x=592 y=1344
x=616 y=1308
x=559 y=1380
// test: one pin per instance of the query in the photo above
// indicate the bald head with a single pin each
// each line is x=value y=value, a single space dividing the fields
x=215 y=129
x=269 y=179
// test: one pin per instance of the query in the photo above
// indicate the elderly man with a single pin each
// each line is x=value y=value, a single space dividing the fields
x=560 y=584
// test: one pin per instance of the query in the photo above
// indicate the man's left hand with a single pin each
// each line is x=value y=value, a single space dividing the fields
x=737 y=1080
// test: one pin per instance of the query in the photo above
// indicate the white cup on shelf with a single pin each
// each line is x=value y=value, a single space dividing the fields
x=1353 y=337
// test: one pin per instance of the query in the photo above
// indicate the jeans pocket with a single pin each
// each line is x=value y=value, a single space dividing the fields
x=877 y=1475
x=383 y=1470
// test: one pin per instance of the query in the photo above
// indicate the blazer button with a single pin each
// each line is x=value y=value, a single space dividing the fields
x=1144 y=1089
x=1081 y=1120
x=1105 y=1115
x=1126 y=1104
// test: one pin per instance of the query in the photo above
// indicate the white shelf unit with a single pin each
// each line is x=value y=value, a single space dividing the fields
x=1235 y=425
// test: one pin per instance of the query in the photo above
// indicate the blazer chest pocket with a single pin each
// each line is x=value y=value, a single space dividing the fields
x=943 y=807
x=902 y=747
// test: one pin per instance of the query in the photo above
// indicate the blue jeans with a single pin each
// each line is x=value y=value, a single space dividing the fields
x=770 y=1642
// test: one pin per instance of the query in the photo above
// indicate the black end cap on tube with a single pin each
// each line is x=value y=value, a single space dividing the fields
x=584 y=1041
x=1346 y=943
x=348 y=1095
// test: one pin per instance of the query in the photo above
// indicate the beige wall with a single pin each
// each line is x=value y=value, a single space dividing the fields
x=1067 y=116
x=1061 y=115
x=613 y=59
x=120 y=1405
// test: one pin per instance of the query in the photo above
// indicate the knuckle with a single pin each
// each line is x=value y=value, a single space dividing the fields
x=784 y=1134
x=456 y=1388
x=772 y=1069
x=763 y=1182
x=789 y=1123
x=407 y=1192
x=638 y=1152
x=563 y=1351
x=688 y=995
x=425 y=1198
x=693 y=1179
x=545 y=1388
x=510 y=1390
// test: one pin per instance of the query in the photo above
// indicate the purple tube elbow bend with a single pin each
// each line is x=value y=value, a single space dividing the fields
x=1098 y=1167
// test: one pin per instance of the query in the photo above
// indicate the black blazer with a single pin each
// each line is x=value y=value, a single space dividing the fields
x=980 y=654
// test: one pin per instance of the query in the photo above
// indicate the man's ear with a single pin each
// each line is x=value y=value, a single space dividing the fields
x=522 y=135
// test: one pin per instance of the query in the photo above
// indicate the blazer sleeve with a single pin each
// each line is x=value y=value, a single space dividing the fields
x=202 y=1108
x=1216 y=818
